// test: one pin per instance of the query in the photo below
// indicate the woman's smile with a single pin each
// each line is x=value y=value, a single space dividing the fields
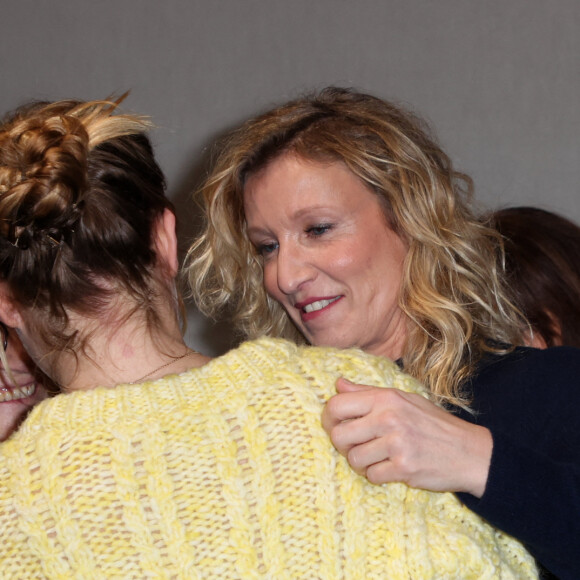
x=311 y=308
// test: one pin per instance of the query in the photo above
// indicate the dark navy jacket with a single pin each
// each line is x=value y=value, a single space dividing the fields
x=530 y=401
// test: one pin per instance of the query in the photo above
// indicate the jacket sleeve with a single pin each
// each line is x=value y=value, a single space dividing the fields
x=530 y=401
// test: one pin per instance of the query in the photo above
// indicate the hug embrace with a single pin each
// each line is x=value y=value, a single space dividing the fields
x=335 y=227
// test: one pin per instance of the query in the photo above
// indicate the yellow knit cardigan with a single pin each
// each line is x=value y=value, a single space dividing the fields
x=225 y=472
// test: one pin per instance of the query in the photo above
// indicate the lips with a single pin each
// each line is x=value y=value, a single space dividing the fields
x=311 y=308
x=319 y=304
x=16 y=393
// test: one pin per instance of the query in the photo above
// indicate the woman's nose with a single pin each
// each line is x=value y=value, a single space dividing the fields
x=293 y=268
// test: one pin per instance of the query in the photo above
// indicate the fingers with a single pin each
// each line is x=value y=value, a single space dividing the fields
x=346 y=434
x=359 y=401
x=383 y=472
x=345 y=386
x=363 y=456
x=354 y=418
x=346 y=406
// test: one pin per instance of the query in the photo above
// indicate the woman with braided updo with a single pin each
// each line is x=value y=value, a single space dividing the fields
x=83 y=220
x=152 y=463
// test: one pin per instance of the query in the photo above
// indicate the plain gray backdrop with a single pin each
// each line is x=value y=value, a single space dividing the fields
x=499 y=80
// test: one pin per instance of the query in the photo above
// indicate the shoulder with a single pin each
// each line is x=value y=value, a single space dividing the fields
x=531 y=363
x=527 y=379
x=317 y=364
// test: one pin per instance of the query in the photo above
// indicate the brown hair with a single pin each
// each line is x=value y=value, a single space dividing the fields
x=80 y=191
x=542 y=257
x=452 y=291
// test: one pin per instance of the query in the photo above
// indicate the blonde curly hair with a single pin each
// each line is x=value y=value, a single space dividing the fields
x=452 y=289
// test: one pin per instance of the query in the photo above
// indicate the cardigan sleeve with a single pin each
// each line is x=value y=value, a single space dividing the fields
x=530 y=401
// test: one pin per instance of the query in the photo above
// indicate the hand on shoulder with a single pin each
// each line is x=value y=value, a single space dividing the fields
x=389 y=435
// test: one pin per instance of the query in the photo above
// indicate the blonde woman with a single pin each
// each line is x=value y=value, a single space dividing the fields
x=155 y=462
x=336 y=219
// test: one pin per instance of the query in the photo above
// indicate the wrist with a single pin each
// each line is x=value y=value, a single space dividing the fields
x=480 y=453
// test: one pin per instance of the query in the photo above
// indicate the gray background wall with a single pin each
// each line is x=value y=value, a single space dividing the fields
x=498 y=79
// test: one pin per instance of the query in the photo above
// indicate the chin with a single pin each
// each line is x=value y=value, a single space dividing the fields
x=12 y=413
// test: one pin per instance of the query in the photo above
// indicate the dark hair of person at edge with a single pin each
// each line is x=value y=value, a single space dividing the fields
x=542 y=259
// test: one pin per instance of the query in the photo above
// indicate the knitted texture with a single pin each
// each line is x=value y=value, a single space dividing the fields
x=225 y=472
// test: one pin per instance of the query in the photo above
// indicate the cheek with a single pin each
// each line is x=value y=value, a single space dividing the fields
x=348 y=261
x=383 y=276
x=270 y=280
x=40 y=394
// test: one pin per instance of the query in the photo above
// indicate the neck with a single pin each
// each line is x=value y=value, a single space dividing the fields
x=127 y=355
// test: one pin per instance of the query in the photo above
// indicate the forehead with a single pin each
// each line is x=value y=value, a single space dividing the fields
x=291 y=177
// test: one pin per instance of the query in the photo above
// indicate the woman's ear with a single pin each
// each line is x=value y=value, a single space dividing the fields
x=166 y=242
x=9 y=313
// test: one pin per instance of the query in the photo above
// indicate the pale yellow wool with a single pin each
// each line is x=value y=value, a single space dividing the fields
x=225 y=472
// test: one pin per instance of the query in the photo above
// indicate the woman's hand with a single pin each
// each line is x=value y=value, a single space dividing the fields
x=390 y=435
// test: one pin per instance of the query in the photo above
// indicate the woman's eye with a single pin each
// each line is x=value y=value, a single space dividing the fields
x=265 y=249
x=318 y=229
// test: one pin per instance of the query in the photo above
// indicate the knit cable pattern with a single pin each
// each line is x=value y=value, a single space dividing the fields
x=225 y=472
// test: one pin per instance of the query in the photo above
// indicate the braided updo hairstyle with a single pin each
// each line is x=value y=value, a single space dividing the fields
x=80 y=192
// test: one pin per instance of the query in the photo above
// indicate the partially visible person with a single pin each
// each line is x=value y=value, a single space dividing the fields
x=337 y=219
x=20 y=384
x=155 y=462
x=542 y=261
